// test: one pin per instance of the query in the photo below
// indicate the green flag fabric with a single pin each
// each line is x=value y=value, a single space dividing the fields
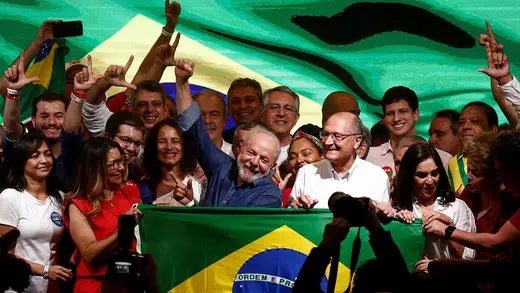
x=249 y=250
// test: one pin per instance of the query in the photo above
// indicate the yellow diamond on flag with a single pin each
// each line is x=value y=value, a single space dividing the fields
x=268 y=264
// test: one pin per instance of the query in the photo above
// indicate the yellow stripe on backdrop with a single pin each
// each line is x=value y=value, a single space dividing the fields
x=220 y=276
x=212 y=70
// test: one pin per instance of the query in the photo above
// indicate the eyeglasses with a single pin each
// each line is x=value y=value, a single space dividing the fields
x=336 y=137
x=288 y=109
x=127 y=141
x=113 y=164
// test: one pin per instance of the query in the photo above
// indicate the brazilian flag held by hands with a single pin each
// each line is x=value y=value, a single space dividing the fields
x=249 y=250
x=49 y=66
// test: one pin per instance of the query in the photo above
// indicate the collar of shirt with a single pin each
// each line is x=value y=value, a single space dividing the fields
x=347 y=174
x=386 y=148
x=460 y=156
x=437 y=206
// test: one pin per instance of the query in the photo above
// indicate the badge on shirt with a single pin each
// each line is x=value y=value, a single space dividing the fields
x=388 y=171
x=57 y=219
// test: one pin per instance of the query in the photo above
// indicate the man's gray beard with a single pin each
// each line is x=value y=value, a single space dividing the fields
x=241 y=174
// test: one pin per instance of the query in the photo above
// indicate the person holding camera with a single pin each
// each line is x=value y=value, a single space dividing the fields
x=342 y=170
x=33 y=205
x=422 y=190
x=93 y=208
x=389 y=259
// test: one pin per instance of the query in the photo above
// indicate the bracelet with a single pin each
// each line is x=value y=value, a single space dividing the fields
x=79 y=94
x=165 y=33
x=11 y=97
x=46 y=272
x=13 y=92
x=76 y=98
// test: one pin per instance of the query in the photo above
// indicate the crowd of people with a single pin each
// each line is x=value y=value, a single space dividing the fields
x=88 y=159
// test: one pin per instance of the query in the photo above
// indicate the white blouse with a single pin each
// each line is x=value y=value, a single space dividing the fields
x=436 y=247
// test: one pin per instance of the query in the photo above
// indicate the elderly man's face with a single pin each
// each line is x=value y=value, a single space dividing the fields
x=340 y=141
x=256 y=158
x=280 y=114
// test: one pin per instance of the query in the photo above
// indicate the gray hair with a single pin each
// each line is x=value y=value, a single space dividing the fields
x=262 y=130
x=357 y=125
x=367 y=137
x=409 y=140
x=282 y=89
x=212 y=93
x=247 y=126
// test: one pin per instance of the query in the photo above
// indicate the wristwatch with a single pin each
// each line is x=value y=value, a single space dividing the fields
x=448 y=231
x=46 y=272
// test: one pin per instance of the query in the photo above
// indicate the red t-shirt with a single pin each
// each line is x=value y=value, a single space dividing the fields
x=503 y=207
x=286 y=193
x=515 y=220
x=103 y=225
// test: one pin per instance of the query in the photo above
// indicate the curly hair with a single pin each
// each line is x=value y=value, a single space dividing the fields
x=478 y=153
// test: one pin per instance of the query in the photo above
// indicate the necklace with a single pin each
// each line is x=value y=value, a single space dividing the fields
x=111 y=204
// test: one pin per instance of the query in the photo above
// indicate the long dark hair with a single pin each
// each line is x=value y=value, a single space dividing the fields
x=403 y=196
x=22 y=150
x=91 y=172
x=151 y=163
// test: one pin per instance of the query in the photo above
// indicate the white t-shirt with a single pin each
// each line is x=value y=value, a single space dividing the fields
x=41 y=226
x=284 y=154
x=319 y=181
x=437 y=247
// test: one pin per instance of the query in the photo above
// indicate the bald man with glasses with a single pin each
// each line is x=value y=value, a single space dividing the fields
x=342 y=170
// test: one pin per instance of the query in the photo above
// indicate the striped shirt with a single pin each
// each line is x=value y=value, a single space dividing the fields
x=458 y=173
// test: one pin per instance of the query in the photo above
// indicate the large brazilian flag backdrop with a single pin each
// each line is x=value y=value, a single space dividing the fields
x=250 y=250
x=313 y=46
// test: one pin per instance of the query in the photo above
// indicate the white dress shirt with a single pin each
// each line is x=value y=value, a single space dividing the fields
x=436 y=247
x=383 y=156
x=512 y=93
x=227 y=148
x=320 y=181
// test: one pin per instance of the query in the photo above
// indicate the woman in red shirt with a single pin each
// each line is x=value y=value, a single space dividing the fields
x=491 y=204
x=93 y=207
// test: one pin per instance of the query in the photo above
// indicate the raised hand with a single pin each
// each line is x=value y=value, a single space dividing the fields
x=335 y=232
x=498 y=65
x=172 y=12
x=489 y=37
x=85 y=79
x=116 y=75
x=183 y=69
x=166 y=53
x=45 y=32
x=182 y=193
x=15 y=76
x=277 y=179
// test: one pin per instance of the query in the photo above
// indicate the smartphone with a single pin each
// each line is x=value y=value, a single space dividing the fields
x=67 y=29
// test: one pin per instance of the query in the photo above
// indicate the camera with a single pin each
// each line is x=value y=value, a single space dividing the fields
x=14 y=272
x=125 y=270
x=351 y=209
